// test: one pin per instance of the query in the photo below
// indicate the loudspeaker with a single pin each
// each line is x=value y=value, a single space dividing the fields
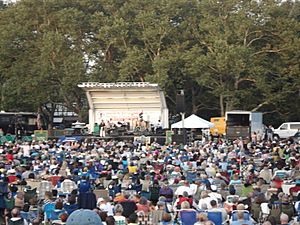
x=178 y=138
x=180 y=103
x=159 y=140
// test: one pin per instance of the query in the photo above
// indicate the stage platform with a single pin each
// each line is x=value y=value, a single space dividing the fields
x=90 y=138
x=151 y=138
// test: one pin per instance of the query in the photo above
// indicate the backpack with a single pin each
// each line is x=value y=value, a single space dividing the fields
x=16 y=222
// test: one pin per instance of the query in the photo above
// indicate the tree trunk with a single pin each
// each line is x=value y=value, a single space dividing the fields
x=50 y=123
x=194 y=105
x=48 y=115
x=39 y=118
x=229 y=105
x=222 y=106
x=51 y=116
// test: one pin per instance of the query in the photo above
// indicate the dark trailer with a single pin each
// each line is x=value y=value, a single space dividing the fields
x=18 y=123
x=241 y=124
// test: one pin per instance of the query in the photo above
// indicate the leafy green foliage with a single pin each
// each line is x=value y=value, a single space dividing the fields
x=226 y=55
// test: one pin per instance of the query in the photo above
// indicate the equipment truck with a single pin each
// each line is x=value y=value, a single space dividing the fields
x=241 y=124
x=219 y=129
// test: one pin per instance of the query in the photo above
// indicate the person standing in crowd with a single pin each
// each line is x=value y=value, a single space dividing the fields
x=102 y=128
x=254 y=137
x=270 y=133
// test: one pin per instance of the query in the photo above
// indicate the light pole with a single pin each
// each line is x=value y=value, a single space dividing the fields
x=180 y=108
x=183 y=128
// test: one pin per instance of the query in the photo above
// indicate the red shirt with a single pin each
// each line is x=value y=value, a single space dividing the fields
x=278 y=183
x=182 y=199
x=54 y=180
x=295 y=189
x=10 y=157
x=143 y=208
x=12 y=178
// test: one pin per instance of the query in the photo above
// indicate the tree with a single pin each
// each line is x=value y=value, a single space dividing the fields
x=226 y=55
x=44 y=54
x=234 y=38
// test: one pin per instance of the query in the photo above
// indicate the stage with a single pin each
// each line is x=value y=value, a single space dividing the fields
x=92 y=138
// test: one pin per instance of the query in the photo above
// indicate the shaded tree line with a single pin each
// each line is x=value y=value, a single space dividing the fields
x=226 y=55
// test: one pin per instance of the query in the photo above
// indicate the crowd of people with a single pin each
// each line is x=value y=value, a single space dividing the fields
x=125 y=182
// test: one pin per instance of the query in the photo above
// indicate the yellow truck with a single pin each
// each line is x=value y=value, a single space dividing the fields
x=220 y=126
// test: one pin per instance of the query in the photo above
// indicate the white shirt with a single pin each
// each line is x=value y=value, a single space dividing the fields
x=26 y=150
x=194 y=188
x=182 y=189
x=107 y=207
x=206 y=201
x=215 y=195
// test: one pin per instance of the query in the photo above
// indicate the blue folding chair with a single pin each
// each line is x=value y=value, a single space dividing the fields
x=188 y=217
x=247 y=216
x=215 y=217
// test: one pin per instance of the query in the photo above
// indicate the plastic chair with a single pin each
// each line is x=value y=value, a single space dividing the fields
x=247 y=216
x=188 y=217
x=281 y=173
x=265 y=211
x=101 y=193
x=215 y=217
x=297 y=207
x=230 y=198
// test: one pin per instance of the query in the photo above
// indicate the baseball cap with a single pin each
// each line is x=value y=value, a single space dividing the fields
x=84 y=217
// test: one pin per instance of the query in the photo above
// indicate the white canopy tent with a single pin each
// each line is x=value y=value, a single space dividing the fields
x=193 y=121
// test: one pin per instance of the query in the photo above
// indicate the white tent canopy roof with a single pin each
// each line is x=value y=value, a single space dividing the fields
x=193 y=121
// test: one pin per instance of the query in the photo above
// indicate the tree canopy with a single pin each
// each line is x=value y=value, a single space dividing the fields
x=226 y=55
